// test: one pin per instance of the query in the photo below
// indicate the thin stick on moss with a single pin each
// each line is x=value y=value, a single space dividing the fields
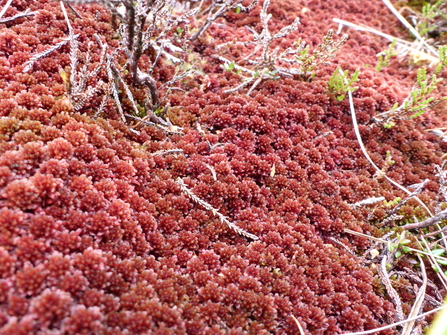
x=409 y=27
x=382 y=240
x=379 y=171
x=418 y=301
x=298 y=325
x=383 y=274
x=369 y=30
x=376 y=330
x=433 y=261
x=207 y=206
x=5 y=8
x=428 y=222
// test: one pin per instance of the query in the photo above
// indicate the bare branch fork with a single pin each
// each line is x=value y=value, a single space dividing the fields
x=218 y=9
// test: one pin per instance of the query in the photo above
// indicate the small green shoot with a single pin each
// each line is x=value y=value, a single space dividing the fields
x=340 y=83
x=273 y=74
x=400 y=245
x=419 y=100
x=309 y=60
x=429 y=13
x=385 y=56
x=179 y=32
x=159 y=111
x=389 y=125
x=392 y=203
x=442 y=59
x=230 y=67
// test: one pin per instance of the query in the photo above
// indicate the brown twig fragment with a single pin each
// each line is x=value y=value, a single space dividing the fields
x=428 y=222
x=221 y=217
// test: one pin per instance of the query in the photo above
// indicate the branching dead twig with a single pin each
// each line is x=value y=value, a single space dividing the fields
x=144 y=25
x=26 y=13
x=77 y=89
x=263 y=63
x=442 y=215
x=218 y=9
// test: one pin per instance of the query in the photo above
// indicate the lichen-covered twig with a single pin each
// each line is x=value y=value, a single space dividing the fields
x=215 y=212
x=368 y=201
x=29 y=64
x=77 y=89
x=26 y=13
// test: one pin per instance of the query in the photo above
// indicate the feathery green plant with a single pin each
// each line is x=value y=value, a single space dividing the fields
x=385 y=56
x=419 y=99
x=341 y=83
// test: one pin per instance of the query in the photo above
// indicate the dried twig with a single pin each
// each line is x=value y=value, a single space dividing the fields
x=263 y=63
x=418 y=188
x=370 y=30
x=365 y=152
x=5 y=8
x=218 y=9
x=143 y=25
x=344 y=246
x=376 y=330
x=26 y=13
x=409 y=27
x=29 y=64
x=418 y=301
x=368 y=201
x=167 y=152
x=382 y=271
x=428 y=222
x=170 y=129
x=215 y=212
x=77 y=89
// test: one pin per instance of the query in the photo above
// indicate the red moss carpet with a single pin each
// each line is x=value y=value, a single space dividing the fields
x=96 y=236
